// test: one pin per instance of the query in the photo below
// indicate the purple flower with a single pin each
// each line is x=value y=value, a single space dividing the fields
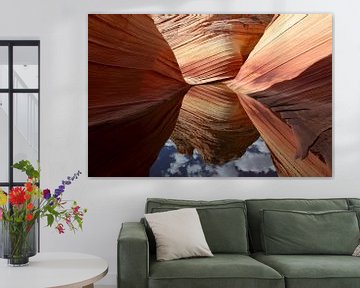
x=46 y=194
x=68 y=181
x=57 y=193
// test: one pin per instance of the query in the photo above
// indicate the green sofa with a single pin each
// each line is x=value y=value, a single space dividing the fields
x=233 y=230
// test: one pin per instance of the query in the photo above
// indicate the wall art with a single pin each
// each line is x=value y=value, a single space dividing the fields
x=182 y=95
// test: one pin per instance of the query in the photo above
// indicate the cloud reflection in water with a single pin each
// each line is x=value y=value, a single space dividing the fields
x=255 y=162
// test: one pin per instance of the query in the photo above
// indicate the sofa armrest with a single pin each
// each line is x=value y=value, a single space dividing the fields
x=133 y=256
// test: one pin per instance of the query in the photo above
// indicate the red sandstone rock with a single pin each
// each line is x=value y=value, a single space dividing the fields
x=280 y=139
x=135 y=93
x=290 y=72
x=211 y=47
x=212 y=121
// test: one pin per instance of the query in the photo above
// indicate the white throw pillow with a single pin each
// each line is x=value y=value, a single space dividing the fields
x=357 y=251
x=178 y=234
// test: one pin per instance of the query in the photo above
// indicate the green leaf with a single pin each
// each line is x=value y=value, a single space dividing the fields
x=26 y=167
x=79 y=221
x=50 y=219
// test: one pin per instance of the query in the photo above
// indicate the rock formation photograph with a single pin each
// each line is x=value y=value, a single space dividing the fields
x=210 y=95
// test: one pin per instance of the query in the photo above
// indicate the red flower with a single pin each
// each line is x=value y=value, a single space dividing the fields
x=75 y=209
x=29 y=206
x=68 y=219
x=17 y=196
x=27 y=196
x=60 y=228
x=28 y=186
x=29 y=217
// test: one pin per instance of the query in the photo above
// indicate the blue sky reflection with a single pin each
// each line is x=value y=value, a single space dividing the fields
x=255 y=162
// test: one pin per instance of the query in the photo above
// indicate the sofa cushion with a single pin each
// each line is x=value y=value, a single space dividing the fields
x=356 y=209
x=178 y=234
x=354 y=205
x=353 y=201
x=357 y=251
x=297 y=232
x=254 y=207
x=314 y=271
x=223 y=221
x=222 y=270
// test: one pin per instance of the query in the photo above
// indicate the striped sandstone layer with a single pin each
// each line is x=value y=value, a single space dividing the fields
x=285 y=87
x=210 y=48
x=135 y=94
x=213 y=122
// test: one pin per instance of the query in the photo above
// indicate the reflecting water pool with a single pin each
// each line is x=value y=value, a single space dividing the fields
x=255 y=162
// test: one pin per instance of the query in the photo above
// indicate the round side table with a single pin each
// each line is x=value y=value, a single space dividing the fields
x=50 y=270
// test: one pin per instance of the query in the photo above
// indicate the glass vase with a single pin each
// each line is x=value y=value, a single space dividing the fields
x=18 y=242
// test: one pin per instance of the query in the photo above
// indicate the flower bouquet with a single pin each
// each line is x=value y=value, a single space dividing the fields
x=21 y=208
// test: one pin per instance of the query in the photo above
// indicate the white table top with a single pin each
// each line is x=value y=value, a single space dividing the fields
x=45 y=270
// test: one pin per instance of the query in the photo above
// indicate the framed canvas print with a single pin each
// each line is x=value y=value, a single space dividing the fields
x=232 y=95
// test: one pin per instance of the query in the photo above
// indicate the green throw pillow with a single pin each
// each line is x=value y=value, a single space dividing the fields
x=299 y=232
x=224 y=222
x=225 y=229
x=357 y=210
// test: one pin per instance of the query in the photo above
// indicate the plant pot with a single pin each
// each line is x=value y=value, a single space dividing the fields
x=18 y=242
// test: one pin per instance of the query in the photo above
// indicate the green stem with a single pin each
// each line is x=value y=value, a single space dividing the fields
x=18 y=237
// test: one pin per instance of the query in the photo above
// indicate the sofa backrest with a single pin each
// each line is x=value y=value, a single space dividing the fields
x=223 y=221
x=354 y=202
x=354 y=205
x=256 y=205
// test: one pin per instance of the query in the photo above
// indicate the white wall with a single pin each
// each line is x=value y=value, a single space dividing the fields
x=61 y=25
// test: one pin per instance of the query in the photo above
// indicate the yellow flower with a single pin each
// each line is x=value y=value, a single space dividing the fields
x=3 y=198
